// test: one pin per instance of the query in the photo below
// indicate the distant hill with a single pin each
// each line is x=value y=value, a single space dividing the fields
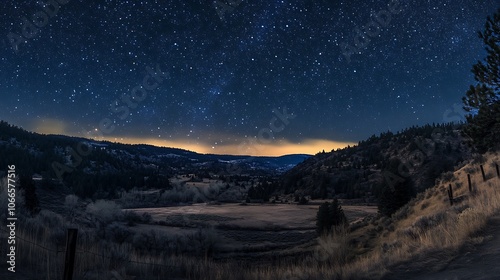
x=88 y=166
x=417 y=154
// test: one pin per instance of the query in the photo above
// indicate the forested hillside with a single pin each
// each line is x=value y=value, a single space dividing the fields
x=100 y=169
x=414 y=157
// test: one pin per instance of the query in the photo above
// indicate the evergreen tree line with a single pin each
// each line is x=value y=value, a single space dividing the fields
x=482 y=100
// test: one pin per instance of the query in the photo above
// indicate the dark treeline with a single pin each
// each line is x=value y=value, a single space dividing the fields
x=355 y=172
x=110 y=168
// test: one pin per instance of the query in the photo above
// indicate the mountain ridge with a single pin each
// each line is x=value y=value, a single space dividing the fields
x=111 y=166
x=419 y=154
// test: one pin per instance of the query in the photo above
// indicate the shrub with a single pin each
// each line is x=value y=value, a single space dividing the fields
x=50 y=219
x=104 y=211
x=424 y=223
x=402 y=213
x=303 y=200
x=425 y=205
x=71 y=201
x=447 y=176
x=145 y=241
x=131 y=218
x=119 y=233
x=479 y=159
x=146 y=218
x=205 y=240
x=358 y=225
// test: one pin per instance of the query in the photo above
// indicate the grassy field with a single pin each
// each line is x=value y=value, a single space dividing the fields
x=244 y=228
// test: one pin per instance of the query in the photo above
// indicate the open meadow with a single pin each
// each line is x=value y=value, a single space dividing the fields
x=241 y=228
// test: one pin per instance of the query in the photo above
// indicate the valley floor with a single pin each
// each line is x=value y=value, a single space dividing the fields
x=248 y=230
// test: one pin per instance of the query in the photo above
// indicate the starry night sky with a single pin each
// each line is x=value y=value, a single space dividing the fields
x=231 y=63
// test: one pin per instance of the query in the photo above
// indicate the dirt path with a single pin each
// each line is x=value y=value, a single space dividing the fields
x=478 y=262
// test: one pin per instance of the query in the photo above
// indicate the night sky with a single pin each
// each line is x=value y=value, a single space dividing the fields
x=240 y=77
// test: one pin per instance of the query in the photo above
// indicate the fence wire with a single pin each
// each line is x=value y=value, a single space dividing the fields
x=84 y=252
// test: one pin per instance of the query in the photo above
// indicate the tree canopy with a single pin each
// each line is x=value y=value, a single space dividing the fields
x=330 y=215
x=482 y=101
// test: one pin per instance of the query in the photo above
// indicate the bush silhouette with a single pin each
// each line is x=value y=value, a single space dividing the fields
x=330 y=215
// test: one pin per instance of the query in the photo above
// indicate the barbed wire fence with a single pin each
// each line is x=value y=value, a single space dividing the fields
x=57 y=257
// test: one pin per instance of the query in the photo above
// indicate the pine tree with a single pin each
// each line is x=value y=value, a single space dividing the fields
x=322 y=221
x=482 y=101
x=337 y=216
x=330 y=216
x=394 y=197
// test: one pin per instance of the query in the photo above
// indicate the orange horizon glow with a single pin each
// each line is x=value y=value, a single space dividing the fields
x=246 y=147
x=49 y=126
x=243 y=146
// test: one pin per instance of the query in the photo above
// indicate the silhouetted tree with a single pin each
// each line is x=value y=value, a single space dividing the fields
x=330 y=216
x=482 y=101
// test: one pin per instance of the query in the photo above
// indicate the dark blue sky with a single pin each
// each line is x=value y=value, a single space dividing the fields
x=230 y=65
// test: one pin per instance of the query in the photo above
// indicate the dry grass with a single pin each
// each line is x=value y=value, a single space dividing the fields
x=426 y=229
x=432 y=225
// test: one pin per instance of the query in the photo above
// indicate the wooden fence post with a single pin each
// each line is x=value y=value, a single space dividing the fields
x=482 y=172
x=69 y=261
x=450 y=195
x=470 y=183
